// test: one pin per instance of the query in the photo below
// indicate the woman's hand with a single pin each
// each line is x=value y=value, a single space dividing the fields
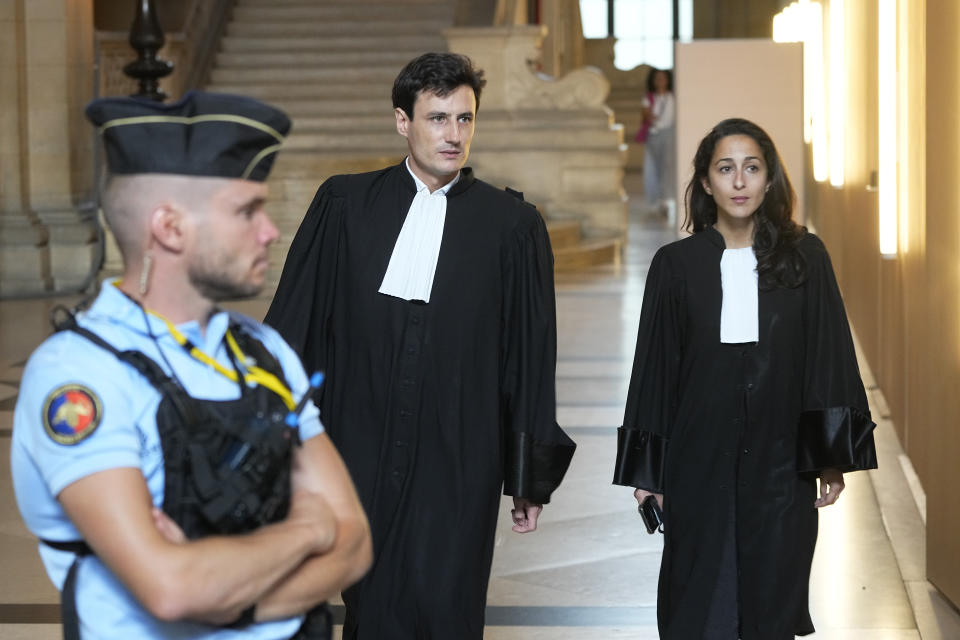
x=641 y=494
x=831 y=484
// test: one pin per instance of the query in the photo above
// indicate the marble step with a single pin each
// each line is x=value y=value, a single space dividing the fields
x=298 y=107
x=328 y=78
x=319 y=91
x=564 y=233
x=588 y=253
x=316 y=59
x=297 y=174
x=326 y=3
x=329 y=11
x=337 y=28
x=350 y=120
x=347 y=141
x=429 y=41
x=380 y=122
x=493 y=141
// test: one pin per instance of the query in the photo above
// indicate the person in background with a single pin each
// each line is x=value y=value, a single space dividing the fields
x=745 y=391
x=659 y=156
x=427 y=297
x=164 y=450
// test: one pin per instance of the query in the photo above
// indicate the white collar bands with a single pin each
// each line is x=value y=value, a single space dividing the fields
x=740 y=308
x=413 y=263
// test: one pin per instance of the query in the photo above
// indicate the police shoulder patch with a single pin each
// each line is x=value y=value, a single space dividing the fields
x=71 y=413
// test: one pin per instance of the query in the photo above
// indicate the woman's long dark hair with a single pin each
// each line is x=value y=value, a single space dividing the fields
x=775 y=236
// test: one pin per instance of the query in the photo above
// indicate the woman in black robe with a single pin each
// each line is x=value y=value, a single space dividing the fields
x=735 y=410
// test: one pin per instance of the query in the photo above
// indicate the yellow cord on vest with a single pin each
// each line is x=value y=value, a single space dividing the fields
x=254 y=374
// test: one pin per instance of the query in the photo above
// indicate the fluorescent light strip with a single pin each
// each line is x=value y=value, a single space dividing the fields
x=887 y=121
x=838 y=92
x=818 y=115
x=802 y=21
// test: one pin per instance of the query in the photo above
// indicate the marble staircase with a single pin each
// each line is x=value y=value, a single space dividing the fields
x=330 y=64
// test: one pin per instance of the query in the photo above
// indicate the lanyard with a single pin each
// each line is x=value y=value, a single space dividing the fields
x=253 y=375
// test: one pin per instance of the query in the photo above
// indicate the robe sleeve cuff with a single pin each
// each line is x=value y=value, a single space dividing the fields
x=836 y=438
x=641 y=459
x=533 y=470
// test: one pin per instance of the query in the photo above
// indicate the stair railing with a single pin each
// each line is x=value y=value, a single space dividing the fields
x=205 y=26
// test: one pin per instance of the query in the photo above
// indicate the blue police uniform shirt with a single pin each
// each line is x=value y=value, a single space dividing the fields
x=81 y=410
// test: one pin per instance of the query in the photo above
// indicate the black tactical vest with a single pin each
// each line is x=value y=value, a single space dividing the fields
x=227 y=463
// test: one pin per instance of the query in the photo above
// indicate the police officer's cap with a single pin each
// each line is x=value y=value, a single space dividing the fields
x=204 y=134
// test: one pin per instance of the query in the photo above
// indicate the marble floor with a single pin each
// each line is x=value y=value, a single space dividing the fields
x=590 y=572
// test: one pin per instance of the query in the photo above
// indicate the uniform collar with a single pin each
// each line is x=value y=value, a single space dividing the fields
x=113 y=306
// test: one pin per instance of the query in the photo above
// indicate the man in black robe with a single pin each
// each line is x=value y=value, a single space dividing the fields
x=427 y=297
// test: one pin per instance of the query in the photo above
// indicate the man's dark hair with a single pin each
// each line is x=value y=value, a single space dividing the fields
x=438 y=73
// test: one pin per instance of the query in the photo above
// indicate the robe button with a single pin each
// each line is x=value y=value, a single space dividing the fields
x=415 y=320
x=405 y=414
x=749 y=386
x=746 y=451
x=411 y=350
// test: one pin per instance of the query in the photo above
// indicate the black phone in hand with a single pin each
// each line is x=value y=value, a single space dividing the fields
x=651 y=514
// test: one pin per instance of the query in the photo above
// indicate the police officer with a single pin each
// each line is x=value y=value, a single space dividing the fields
x=162 y=450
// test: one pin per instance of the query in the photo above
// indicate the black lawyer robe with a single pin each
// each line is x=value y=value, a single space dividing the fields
x=733 y=435
x=434 y=407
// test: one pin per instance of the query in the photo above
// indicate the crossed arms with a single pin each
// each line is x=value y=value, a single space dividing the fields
x=321 y=547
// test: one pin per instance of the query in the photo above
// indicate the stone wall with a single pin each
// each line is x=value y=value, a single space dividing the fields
x=47 y=236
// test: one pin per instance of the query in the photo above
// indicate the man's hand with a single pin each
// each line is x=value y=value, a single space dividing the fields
x=641 y=495
x=831 y=484
x=525 y=514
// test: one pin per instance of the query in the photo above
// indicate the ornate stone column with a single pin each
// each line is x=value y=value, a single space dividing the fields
x=46 y=159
